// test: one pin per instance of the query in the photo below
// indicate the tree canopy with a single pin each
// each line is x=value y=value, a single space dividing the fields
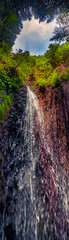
x=13 y=12
x=62 y=31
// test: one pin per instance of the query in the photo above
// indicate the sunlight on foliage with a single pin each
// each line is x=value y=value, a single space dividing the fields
x=50 y=69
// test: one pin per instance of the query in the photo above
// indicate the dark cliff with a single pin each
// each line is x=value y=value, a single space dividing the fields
x=55 y=104
x=52 y=169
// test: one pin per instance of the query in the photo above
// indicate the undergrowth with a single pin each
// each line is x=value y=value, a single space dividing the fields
x=50 y=69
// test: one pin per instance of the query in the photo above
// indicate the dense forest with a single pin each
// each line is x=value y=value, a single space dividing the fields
x=50 y=69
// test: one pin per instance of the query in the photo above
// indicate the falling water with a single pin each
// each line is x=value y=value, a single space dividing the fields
x=28 y=185
x=36 y=205
x=38 y=217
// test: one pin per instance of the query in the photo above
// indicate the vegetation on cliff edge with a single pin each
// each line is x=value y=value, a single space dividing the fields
x=50 y=69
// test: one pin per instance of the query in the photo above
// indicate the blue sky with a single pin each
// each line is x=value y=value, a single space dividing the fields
x=35 y=36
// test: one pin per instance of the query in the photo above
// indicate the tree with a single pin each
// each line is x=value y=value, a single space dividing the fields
x=13 y=12
x=62 y=31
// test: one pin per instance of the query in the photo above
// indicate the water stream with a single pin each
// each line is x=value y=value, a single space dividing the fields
x=36 y=205
x=28 y=183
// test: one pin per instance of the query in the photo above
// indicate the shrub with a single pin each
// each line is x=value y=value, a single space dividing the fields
x=55 y=81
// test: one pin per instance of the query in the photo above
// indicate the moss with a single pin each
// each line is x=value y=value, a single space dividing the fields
x=5 y=106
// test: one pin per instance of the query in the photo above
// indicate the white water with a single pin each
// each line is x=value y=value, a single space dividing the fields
x=31 y=210
x=28 y=185
x=28 y=212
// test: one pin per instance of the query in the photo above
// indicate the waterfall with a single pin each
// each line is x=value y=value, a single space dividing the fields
x=28 y=182
x=36 y=205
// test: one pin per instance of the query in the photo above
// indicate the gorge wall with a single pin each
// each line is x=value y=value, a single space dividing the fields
x=34 y=166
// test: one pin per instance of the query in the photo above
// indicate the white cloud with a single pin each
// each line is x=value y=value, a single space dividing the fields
x=35 y=26
x=35 y=35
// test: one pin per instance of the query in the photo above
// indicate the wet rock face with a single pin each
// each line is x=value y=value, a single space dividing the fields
x=55 y=166
x=34 y=167
x=11 y=139
x=56 y=116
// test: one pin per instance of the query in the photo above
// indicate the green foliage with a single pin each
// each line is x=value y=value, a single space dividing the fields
x=11 y=78
x=6 y=104
x=57 y=54
x=5 y=47
x=55 y=80
x=67 y=70
x=62 y=53
x=46 y=70
x=8 y=22
x=51 y=54
x=61 y=32
x=9 y=81
x=10 y=73
x=41 y=82
x=13 y=10
x=64 y=76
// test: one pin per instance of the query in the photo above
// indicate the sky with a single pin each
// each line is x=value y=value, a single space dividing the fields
x=35 y=36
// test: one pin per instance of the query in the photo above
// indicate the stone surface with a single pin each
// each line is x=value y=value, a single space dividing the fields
x=51 y=169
